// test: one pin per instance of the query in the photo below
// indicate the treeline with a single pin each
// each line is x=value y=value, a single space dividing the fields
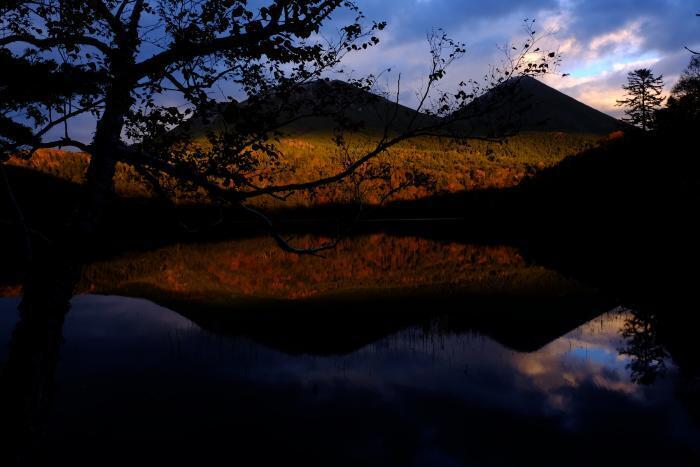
x=411 y=170
x=258 y=268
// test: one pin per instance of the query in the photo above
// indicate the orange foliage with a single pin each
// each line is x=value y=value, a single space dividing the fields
x=259 y=268
x=450 y=166
x=615 y=135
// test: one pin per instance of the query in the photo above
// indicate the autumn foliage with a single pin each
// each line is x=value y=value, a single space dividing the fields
x=257 y=269
x=411 y=170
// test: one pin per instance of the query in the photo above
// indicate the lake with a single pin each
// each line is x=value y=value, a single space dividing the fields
x=390 y=350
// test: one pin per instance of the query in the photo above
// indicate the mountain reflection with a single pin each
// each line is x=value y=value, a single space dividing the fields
x=391 y=350
x=585 y=356
x=375 y=285
x=256 y=267
x=139 y=375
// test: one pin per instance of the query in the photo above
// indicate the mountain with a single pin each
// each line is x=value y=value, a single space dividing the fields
x=553 y=126
x=519 y=104
x=527 y=104
x=328 y=101
x=372 y=112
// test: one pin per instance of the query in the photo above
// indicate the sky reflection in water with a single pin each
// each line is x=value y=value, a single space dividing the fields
x=141 y=377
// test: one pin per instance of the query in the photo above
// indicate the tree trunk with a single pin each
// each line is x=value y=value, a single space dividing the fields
x=27 y=380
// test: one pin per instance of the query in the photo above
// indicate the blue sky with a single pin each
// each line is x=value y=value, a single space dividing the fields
x=600 y=40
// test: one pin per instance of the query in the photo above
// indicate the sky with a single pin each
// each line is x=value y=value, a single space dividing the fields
x=600 y=40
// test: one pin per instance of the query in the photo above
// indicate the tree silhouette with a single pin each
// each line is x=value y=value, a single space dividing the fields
x=683 y=105
x=643 y=97
x=143 y=68
x=147 y=72
x=688 y=86
x=647 y=355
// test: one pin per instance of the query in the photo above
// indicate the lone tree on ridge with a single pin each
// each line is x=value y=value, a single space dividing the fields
x=643 y=98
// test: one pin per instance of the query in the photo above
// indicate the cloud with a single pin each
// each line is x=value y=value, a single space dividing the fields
x=601 y=40
x=626 y=39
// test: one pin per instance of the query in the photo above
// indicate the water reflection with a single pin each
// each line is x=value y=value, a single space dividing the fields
x=647 y=355
x=256 y=268
x=147 y=385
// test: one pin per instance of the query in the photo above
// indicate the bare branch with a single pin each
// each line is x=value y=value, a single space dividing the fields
x=67 y=117
x=285 y=244
x=63 y=142
x=121 y=8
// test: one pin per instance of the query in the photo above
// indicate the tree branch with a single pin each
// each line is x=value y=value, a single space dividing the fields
x=68 y=116
x=113 y=21
x=252 y=39
x=285 y=244
x=62 y=143
x=55 y=42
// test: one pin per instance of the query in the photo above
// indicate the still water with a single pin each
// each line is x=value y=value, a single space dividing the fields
x=139 y=384
x=388 y=351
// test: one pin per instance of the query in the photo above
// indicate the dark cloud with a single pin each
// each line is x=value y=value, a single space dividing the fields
x=665 y=24
x=415 y=17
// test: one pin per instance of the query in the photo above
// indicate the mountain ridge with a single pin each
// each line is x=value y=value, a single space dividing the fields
x=581 y=117
x=517 y=105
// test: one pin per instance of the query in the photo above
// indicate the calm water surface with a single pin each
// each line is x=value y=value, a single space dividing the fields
x=139 y=384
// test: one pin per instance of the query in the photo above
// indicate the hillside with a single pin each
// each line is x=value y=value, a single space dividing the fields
x=549 y=124
x=553 y=126
x=451 y=166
